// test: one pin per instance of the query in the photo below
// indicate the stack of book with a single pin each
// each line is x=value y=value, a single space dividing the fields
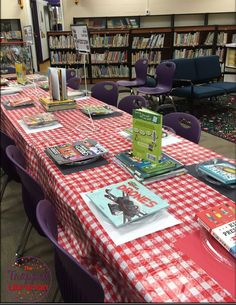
x=146 y=171
x=54 y=105
x=79 y=153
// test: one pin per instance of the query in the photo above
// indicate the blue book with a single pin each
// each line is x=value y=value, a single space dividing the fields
x=220 y=170
x=126 y=202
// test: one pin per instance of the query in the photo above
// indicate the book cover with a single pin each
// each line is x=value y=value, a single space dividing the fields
x=145 y=168
x=220 y=170
x=39 y=119
x=126 y=201
x=20 y=73
x=76 y=152
x=19 y=102
x=147 y=134
x=50 y=102
x=220 y=221
x=95 y=110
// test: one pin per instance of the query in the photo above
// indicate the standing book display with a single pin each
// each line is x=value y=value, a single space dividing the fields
x=147 y=134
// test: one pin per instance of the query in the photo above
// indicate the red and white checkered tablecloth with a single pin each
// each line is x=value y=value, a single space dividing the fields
x=149 y=268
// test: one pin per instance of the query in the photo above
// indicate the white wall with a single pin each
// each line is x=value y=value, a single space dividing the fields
x=11 y=10
x=101 y=8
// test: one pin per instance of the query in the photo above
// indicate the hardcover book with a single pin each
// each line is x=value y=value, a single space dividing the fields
x=39 y=120
x=220 y=170
x=126 y=202
x=220 y=221
x=145 y=169
x=76 y=152
x=147 y=134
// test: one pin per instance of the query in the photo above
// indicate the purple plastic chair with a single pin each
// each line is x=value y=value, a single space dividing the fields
x=76 y=284
x=72 y=80
x=141 y=67
x=8 y=169
x=184 y=124
x=31 y=195
x=128 y=103
x=106 y=92
x=164 y=75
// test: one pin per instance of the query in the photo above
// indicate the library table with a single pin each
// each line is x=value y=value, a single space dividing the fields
x=147 y=269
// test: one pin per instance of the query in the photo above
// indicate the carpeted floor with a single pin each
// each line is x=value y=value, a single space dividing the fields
x=217 y=117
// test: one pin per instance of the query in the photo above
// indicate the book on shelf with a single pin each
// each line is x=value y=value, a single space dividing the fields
x=147 y=134
x=39 y=119
x=19 y=102
x=96 y=110
x=127 y=201
x=79 y=152
x=220 y=221
x=219 y=169
x=146 y=171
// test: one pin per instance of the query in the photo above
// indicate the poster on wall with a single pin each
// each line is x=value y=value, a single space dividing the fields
x=28 y=34
x=81 y=38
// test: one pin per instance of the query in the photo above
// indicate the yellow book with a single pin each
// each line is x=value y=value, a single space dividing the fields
x=50 y=102
x=20 y=73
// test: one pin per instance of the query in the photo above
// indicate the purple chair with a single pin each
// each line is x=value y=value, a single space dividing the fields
x=164 y=75
x=128 y=103
x=106 y=92
x=184 y=124
x=31 y=195
x=141 y=67
x=72 y=80
x=76 y=284
x=8 y=169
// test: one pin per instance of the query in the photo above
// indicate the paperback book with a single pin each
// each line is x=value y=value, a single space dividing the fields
x=220 y=221
x=95 y=110
x=221 y=170
x=147 y=134
x=39 y=119
x=54 y=105
x=19 y=102
x=77 y=152
x=127 y=201
x=57 y=83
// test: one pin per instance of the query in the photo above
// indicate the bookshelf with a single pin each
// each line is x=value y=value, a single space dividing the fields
x=114 y=51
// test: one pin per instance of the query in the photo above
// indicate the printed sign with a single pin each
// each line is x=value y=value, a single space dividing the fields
x=81 y=38
x=28 y=34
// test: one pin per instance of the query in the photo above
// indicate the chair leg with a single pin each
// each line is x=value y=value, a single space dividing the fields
x=24 y=239
x=55 y=295
x=172 y=101
x=4 y=185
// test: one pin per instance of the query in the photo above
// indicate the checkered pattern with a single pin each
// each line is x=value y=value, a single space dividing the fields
x=149 y=268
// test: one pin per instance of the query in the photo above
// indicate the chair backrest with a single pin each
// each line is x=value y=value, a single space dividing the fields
x=165 y=74
x=106 y=91
x=141 y=67
x=184 y=124
x=75 y=282
x=70 y=73
x=6 y=165
x=74 y=83
x=32 y=192
x=128 y=103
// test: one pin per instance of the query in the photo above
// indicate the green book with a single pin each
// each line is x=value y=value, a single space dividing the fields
x=147 y=134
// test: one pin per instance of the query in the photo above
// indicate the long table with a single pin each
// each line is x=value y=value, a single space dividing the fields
x=147 y=269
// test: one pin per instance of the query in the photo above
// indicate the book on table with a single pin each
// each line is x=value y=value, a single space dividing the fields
x=145 y=170
x=54 y=105
x=79 y=152
x=147 y=134
x=219 y=169
x=39 y=120
x=96 y=110
x=126 y=202
x=57 y=83
x=19 y=102
x=220 y=221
